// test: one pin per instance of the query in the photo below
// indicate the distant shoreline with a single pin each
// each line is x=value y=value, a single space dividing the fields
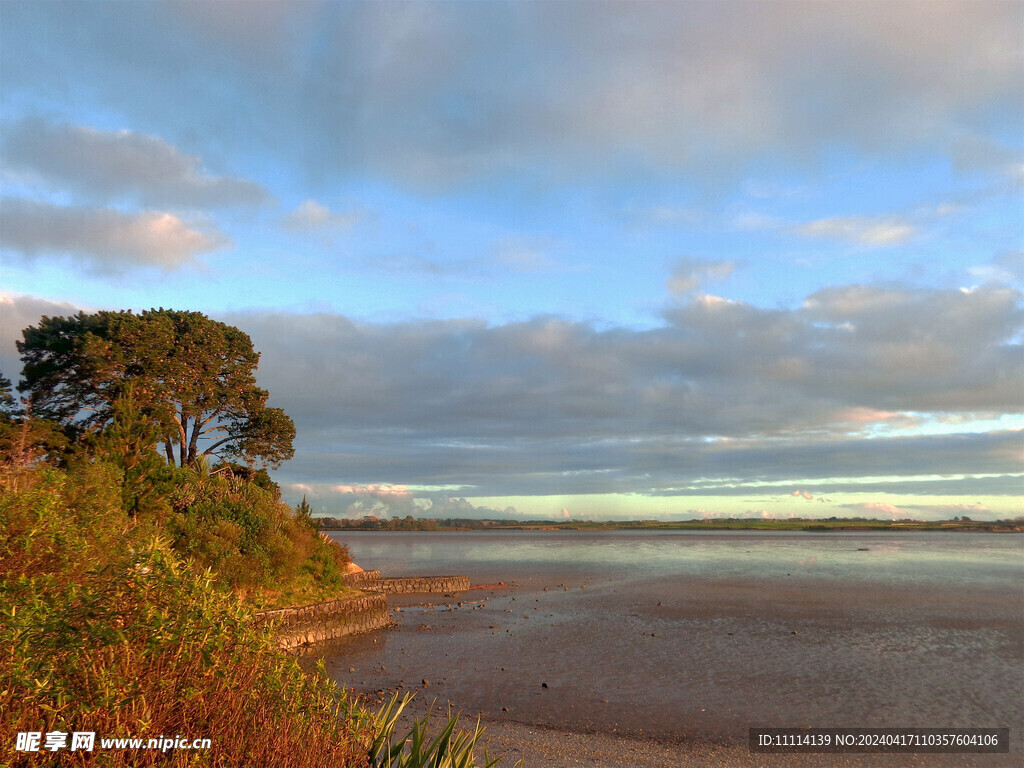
x=721 y=524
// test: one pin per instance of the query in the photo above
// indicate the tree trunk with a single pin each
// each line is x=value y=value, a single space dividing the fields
x=193 y=443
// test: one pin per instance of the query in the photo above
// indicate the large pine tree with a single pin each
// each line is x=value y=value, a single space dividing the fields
x=192 y=377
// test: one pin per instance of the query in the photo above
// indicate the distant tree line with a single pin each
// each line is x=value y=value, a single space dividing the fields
x=408 y=523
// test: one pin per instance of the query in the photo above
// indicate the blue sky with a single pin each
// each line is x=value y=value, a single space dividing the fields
x=540 y=259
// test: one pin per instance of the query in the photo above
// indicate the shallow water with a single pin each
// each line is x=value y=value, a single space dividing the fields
x=704 y=635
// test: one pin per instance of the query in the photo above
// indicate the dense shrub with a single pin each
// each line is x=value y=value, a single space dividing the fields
x=105 y=629
x=245 y=533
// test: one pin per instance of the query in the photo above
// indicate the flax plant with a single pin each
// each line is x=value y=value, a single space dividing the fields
x=448 y=748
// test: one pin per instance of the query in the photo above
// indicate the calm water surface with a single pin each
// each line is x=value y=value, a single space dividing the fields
x=703 y=635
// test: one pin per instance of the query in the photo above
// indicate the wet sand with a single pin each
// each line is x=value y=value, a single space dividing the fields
x=533 y=746
x=674 y=670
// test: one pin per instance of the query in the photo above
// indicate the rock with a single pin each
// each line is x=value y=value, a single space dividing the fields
x=504 y=709
x=425 y=682
x=351 y=670
x=543 y=685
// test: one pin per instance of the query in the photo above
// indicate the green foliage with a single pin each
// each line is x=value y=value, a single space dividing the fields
x=129 y=443
x=24 y=441
x=190 y=376
x=304 y=513
x=107 y=630
x=246 y=534
x=419 y=747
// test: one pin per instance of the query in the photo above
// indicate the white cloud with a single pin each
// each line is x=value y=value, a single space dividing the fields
x=876 y=508
x=109 y=166
x=1007 y=267
x=103 y=240
x=865 y=230
x=311 y=216
x=690 y=274
x=384 y=501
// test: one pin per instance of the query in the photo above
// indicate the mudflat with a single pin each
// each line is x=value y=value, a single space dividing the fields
x=650 y=668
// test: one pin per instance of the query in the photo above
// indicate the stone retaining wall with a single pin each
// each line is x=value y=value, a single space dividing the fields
x=361 y=579
x=300 y=628
x=427 y=584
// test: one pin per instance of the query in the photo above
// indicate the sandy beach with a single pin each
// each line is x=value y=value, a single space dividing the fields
x=537 y=746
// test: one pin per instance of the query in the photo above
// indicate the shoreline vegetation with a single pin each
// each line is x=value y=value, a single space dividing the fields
x=139 y=535
x=457 y=525
x=116 y=626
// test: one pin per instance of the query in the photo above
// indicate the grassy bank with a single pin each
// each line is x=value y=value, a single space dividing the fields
x=140 y=625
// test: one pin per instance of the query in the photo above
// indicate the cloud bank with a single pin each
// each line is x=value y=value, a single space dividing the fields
x=723 y=399
x=723 y=395
x=406 y=89
x=113 y=166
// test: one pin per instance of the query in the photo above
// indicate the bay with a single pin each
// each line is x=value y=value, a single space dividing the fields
x=702 y=635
